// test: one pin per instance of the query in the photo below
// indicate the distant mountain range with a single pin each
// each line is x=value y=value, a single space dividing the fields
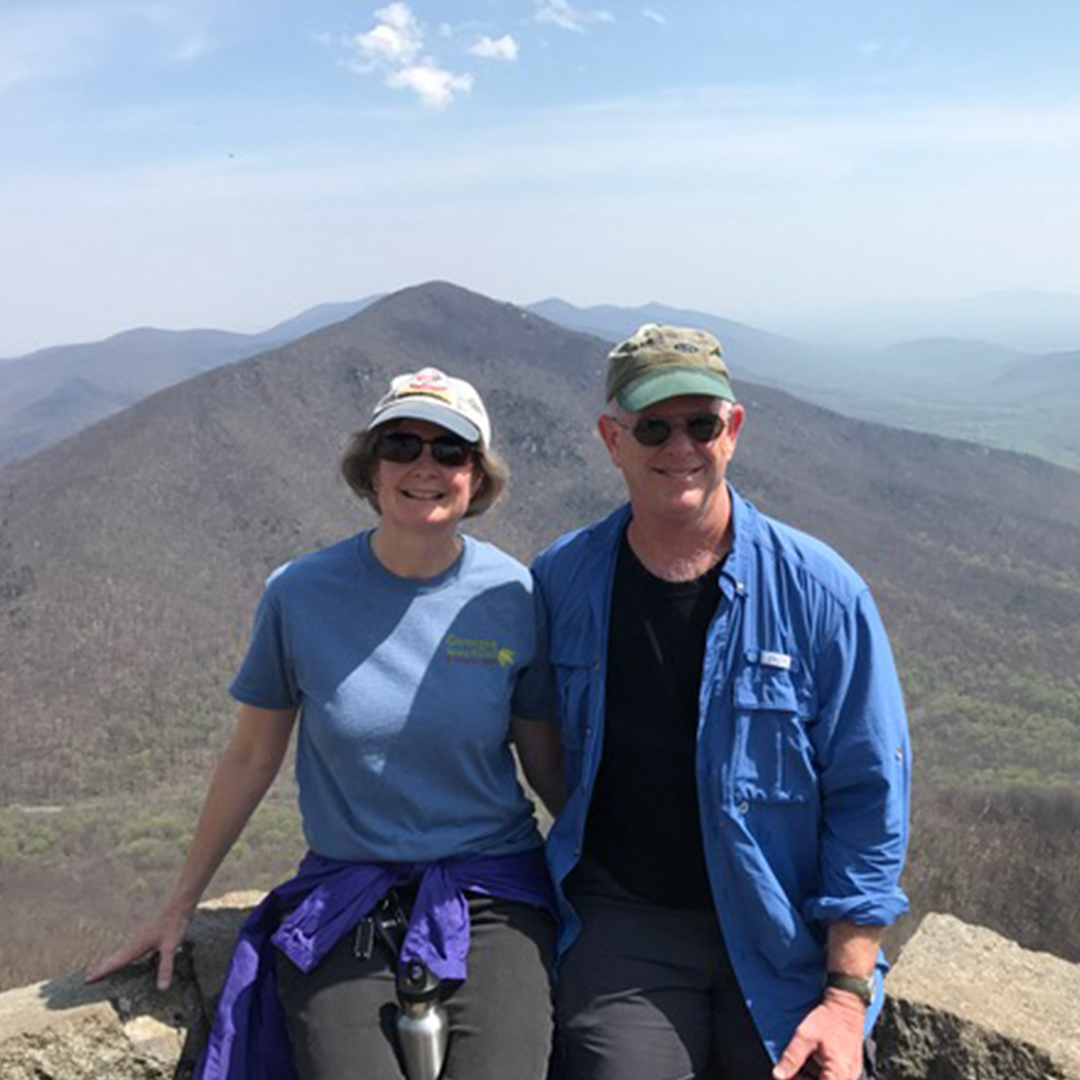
x=131 y=554
x=1023 y=319
x=958 y=387
x=55 y=392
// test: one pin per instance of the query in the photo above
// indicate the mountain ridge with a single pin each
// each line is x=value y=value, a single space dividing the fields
x=131 y=554
x=960 y=388
x=960 y=391
x=40 y=399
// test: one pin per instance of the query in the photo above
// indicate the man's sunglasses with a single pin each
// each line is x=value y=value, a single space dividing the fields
x=655 y=431
x=404 y=447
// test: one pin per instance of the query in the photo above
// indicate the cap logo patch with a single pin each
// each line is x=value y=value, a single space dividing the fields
x=429 y=383
x=426 y=391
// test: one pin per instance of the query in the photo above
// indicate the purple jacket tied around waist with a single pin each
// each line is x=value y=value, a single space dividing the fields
x=307 y=915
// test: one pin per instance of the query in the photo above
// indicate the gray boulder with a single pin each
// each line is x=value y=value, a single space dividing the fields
x=966 y=1004
x=123 y=1029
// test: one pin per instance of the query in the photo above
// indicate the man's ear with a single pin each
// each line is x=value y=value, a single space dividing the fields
x=734 y=425
x=609 y=433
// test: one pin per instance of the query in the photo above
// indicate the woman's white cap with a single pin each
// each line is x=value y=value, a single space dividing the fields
x=431 y=395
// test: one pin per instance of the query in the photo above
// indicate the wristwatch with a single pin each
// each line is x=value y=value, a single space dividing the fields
x=862 y=988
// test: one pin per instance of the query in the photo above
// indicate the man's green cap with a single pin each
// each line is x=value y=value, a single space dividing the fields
x=661 y=362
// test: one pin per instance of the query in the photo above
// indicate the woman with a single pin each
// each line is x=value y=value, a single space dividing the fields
x=405 y=651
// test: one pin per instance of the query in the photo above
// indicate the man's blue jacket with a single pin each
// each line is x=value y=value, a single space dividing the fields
x=803 y=759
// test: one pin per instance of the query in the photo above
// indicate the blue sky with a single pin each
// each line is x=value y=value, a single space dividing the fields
x=205 y=163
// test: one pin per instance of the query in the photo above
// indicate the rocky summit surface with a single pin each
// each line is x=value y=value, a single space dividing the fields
x=963 y=1004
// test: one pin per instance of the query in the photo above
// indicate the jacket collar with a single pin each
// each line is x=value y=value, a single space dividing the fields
x=733 y=577
x=603 y=546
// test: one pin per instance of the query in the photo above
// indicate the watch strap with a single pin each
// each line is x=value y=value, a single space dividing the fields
x=862 y=988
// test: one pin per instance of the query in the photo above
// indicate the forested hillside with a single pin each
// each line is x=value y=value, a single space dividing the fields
x=131 y=557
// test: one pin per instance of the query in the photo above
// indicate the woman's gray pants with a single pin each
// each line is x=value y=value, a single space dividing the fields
x=341 y=1016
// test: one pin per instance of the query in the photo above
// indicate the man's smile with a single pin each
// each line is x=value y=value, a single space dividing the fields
x=679 y=474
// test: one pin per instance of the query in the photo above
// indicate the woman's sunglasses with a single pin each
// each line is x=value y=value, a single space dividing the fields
x=655 y=431
x=404 y=447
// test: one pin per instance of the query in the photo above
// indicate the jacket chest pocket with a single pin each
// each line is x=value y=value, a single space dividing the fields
x=774 y=757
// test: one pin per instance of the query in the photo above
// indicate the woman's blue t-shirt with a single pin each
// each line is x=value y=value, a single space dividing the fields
x=406 y=689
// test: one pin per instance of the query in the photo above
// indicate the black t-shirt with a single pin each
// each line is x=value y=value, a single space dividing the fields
x=644 y=827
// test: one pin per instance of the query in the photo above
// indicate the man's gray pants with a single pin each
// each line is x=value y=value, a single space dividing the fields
x=648 y=993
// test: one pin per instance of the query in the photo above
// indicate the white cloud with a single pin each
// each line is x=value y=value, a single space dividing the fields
x=504 y=48
x=397 y=39
x=564 y=15
x=396 y=47
x=436 y=87
x=655 y=16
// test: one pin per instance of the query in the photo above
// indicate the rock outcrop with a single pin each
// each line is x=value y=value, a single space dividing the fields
x=123 y=1029
x=964 y=1004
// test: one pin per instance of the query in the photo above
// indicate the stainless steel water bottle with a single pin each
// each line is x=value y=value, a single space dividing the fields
x=422 y=1027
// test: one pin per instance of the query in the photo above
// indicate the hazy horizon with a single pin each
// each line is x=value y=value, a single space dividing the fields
x=189 y=164
x=1026 y=321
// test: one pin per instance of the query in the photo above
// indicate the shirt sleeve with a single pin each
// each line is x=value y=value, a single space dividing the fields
x=266 y=677
x=864 y=757
x=534 y=692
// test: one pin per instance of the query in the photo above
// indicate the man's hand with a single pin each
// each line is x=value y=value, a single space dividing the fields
x=831 y=1036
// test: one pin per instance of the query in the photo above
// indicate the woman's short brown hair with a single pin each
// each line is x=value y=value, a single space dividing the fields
x=360 y=462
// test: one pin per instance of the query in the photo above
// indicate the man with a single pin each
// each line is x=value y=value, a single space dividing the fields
x=736 y=758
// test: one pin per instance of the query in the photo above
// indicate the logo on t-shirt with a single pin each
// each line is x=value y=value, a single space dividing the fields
x=462 y=650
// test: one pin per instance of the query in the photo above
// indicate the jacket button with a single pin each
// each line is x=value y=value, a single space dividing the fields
x=744 y=807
